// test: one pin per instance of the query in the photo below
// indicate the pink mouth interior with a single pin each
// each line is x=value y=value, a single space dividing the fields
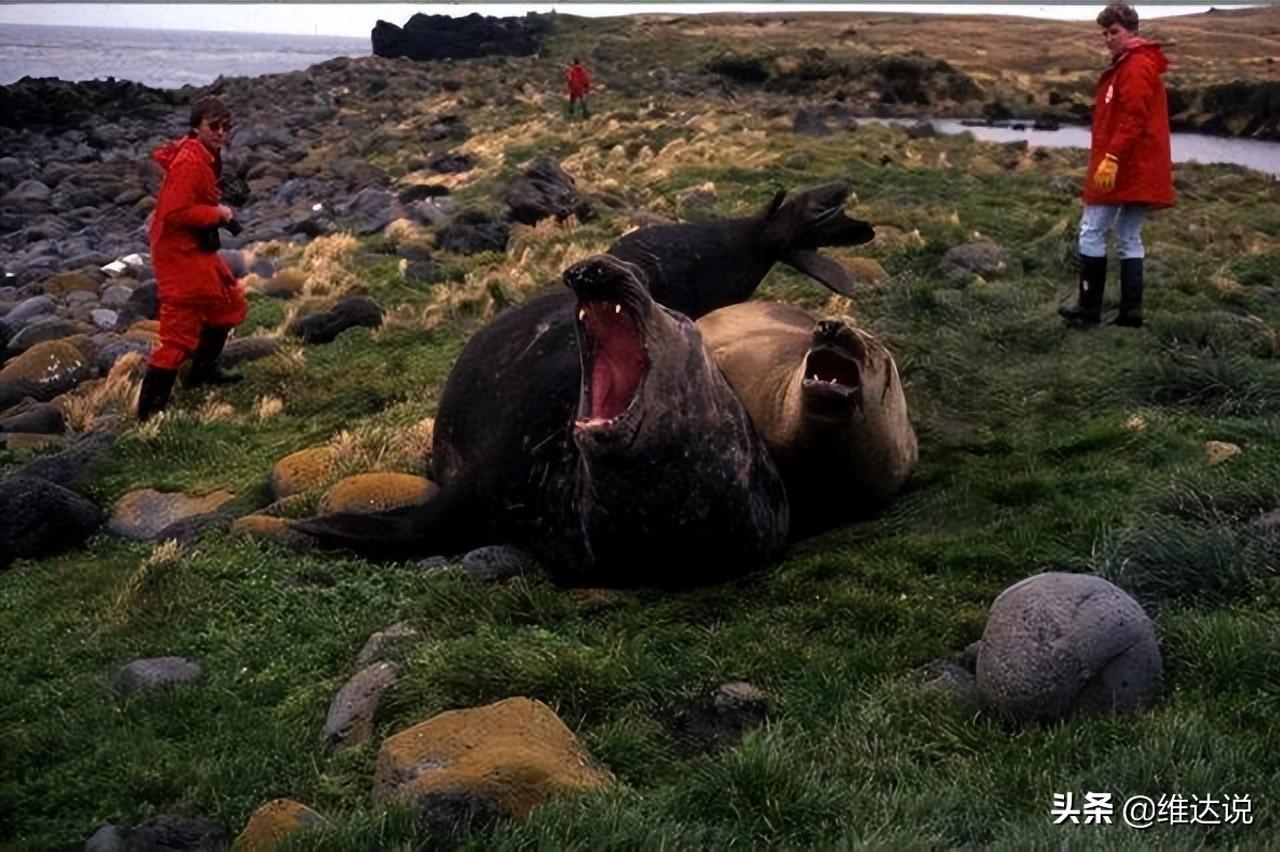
x=618 y=360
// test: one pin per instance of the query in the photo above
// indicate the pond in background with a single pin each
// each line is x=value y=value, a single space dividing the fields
x=1186 y=147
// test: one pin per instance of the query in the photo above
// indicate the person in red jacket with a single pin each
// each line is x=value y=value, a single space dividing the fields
x=200 y=299
x=579 y=84
x=1130 y=171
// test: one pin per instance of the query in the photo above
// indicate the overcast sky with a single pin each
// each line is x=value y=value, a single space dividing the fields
x=357 y=19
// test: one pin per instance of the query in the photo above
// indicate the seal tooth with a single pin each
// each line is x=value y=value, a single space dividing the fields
x=582 y=314
x=617 y=308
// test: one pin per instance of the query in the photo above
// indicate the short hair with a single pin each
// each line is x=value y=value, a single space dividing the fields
x=208 y=106
x=1119 y=13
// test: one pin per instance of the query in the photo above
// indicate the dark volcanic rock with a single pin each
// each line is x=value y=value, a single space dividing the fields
x=426 y=37
x=327 y=325
x=743 y=69
x=917 y=79
x=41 y=518
x=243 y=349
x=187 y=531
x=166 y=833
x=451 y=163
x=41 y=418
x=50 y=101
x=471 y=232
x=63 y=467
x=545 y=190
x=723 y=718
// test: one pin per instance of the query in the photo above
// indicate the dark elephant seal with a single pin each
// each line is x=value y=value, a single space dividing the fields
x=696 y=268
x=591 y=429
x=827 y=400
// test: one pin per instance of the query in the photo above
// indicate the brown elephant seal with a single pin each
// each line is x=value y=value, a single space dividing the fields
x=827 y=400
x=695 y=268
x=591 y=429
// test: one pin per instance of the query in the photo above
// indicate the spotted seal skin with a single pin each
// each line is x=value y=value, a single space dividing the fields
x=591 y=429
x=826 y=398
x=696 y=268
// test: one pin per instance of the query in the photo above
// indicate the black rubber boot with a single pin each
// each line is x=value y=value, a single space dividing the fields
x=1130 y=293
x=1088 y=307
x=157 y=384
x=204 y=363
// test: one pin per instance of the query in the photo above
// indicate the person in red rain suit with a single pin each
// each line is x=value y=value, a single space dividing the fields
x=1130 y=170
x=200 y=299
x=578 y=82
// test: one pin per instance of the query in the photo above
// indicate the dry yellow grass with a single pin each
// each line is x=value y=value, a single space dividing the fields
x=116 y=394
x=325 y=261
x=267 y=407
x=132 y=593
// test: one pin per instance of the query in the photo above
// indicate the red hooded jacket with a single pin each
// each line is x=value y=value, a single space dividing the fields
x=188 y=200
x=575 y=77
x=1131 y=122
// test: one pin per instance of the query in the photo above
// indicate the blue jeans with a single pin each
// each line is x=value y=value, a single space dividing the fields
x=1127 y=220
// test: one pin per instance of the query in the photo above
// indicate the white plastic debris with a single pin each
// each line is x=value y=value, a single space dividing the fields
x=134 y=260
x=317 y=207
x=114 y=268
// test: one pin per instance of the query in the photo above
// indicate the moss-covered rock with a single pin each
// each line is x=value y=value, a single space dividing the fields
x=504 y=758
x=377 y=492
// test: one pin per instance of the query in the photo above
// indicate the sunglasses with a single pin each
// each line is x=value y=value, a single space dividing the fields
x=223 y=124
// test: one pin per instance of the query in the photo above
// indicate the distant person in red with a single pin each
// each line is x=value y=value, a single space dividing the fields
x=200 y=300
x=579 y=84
x=1130 y=171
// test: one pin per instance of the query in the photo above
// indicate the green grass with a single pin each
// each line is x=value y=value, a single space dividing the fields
x=1027 y=464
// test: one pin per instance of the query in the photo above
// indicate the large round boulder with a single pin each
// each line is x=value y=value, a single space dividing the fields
x=1061 y=644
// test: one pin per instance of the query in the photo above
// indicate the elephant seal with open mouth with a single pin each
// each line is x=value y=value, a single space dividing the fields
x=827 y=400
x=696 y=268
x=591 y=429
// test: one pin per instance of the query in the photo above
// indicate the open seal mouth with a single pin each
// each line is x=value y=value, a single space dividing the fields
x=832 y=374
x=611 y=339
x=614 y=362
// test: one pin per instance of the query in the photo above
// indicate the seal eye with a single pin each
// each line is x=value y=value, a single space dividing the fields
x=615 y=360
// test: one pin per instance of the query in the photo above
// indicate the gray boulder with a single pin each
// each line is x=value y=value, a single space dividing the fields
x=154 y=673
x=41 y=518
x=1060 y=644
x=324 y=327
x=962 y=262
x=350 y=719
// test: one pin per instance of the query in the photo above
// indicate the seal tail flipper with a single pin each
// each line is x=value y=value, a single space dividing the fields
x=822 y=269
x=438 y=526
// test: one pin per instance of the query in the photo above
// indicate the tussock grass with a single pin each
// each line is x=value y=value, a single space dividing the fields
x=1041 y=448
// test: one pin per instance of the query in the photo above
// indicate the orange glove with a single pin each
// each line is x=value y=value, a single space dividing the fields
x=1105 y=175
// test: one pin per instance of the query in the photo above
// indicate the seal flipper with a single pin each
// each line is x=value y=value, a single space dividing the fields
x=822 y=269
x=438 y=526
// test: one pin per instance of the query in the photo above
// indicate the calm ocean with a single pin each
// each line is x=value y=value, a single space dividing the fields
x=162 y=58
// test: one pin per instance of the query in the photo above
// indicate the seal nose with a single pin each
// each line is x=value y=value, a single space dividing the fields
x=829 y=330
x=835 y=333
